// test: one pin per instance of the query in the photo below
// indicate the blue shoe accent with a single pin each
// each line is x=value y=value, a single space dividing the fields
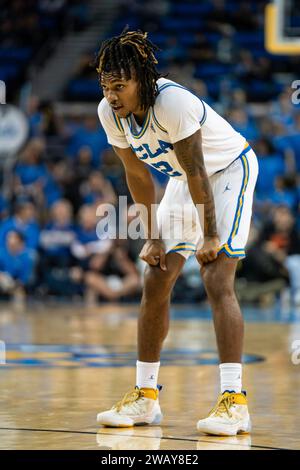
x=159 y=387
x=157 y=419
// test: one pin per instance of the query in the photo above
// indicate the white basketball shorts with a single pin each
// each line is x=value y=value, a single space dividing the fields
x=232 y=188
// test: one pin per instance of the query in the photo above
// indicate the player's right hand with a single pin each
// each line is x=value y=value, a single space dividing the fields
x=209 y=250
x=154 y=253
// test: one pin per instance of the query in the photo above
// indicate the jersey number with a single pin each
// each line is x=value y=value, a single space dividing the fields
x=165 y=168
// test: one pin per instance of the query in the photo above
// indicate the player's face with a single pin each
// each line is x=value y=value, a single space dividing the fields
x=121 y=94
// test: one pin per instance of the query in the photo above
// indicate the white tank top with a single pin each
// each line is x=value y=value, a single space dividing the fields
x=176 y=115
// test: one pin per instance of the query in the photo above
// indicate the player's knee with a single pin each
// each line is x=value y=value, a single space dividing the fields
x=157 y=283
x=216 y=282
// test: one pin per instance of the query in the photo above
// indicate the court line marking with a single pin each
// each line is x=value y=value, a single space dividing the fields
x=145 y=437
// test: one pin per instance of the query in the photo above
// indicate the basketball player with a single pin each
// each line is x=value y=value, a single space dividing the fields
x=150 y=120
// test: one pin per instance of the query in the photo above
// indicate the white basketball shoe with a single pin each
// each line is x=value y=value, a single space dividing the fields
x=139 y=407
x=229 y=417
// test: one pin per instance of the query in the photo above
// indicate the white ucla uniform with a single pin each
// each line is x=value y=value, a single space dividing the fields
x=230 y=163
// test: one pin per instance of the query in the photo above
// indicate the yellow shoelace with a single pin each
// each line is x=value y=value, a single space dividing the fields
x=130 y=397
x=223 y=406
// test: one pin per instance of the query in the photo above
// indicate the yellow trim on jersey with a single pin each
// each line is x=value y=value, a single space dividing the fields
x=118 y=122
x=144 y=128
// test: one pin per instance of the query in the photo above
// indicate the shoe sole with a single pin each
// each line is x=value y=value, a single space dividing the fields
x=242 y=429
x=156 y=421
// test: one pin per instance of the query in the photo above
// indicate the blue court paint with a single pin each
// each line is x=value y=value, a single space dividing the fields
x=75 y=356
x=250 y=314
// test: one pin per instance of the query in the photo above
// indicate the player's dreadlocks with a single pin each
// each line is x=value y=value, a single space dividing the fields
x=131 y=51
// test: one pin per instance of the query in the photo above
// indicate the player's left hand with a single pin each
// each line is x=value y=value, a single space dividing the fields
x=154 y=253
x=209 y=251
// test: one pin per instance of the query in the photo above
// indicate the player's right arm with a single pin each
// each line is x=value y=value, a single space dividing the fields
x=140 y=184
x=142 y=190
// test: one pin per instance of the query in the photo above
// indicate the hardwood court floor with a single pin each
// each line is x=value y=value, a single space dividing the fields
x=66 y=363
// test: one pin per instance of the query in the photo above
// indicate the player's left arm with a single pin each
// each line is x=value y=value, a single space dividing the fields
x=190 y=156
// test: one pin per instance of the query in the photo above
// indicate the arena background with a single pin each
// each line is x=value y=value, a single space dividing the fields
x=57 y=168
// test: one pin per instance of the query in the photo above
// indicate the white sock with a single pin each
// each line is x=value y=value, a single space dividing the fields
x=231 y=377
x=147 y=374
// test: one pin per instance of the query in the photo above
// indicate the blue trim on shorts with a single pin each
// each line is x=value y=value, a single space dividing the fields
x=227 y=247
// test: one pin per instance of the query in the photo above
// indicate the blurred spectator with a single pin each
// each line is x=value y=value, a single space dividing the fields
x=243 y=17
x=113 y=171
x=63 y=174
x=111 y=276
x=238 y=98
x=294 y=141
x=90 y=134
x=200 y=89
x=56 y=238
x=282 y=109
x=32 y=178
x=89 y=245
x=51 y=124
x=97 y=190
x=174 y=51
x=55 y=10
x=262 y=274
x=271 y=165
x=201 y=50
x=148 y=12
x=281 y=142
x=83 y=163
x=245 y=64
x=55 y=250
x=281 y=239
x=31 y=170
x=23 y=221
x=242 y=123
x=286 y=192
x=4 y=206
x=79 y=14
x=87 y=242
x=16 y=266
x=189 y=287
x=132 y=247
x=34 y=116
x=218 y=17
x=85 y=70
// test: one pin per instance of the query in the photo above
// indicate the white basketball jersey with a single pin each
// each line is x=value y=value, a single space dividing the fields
x=176 y=115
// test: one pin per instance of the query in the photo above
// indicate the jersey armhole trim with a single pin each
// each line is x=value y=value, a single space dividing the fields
x=167 y=85
x=204 y=114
